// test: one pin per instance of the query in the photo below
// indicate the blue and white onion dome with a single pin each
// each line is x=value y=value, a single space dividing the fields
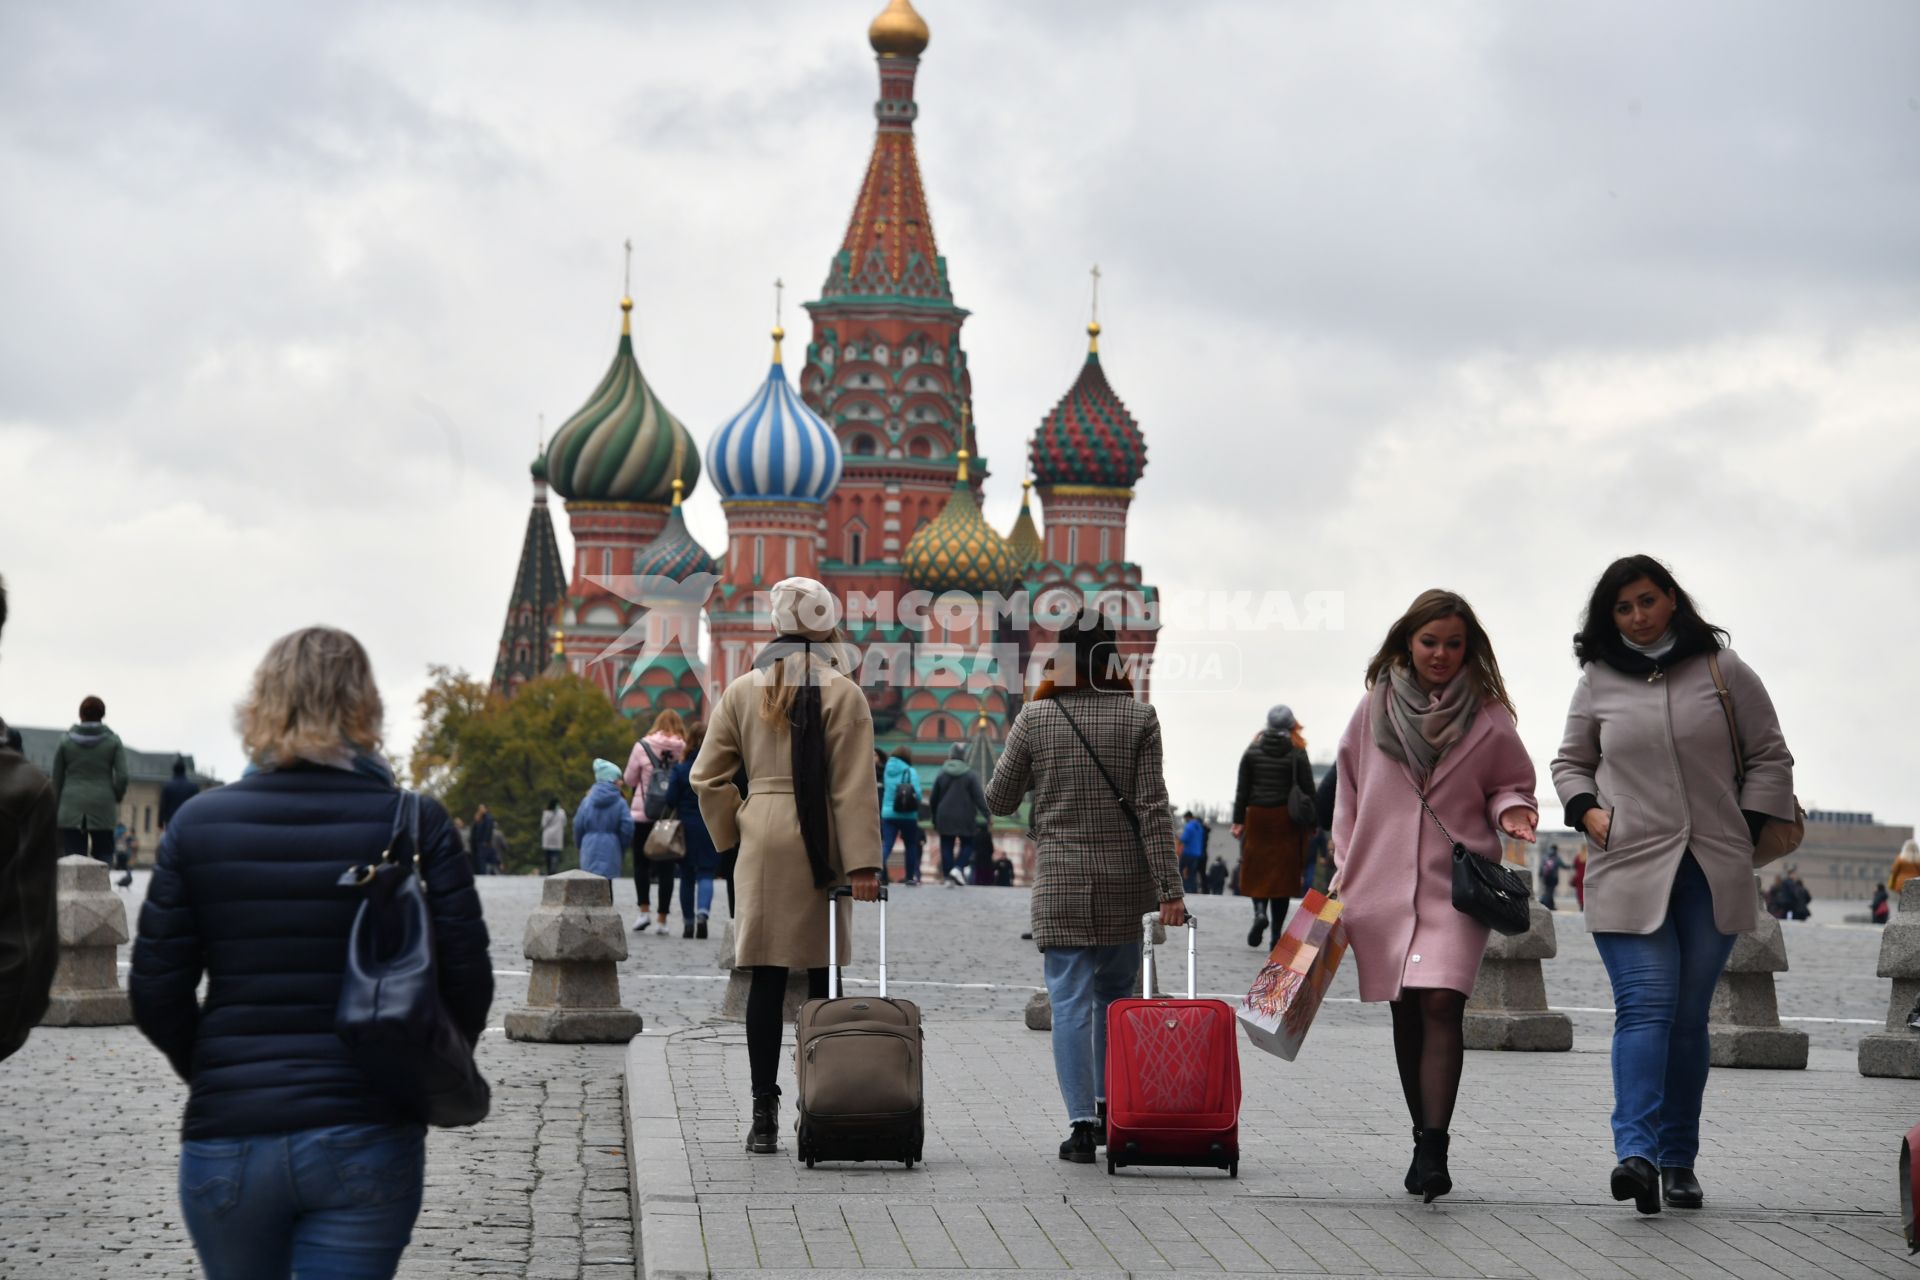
x=776 y=449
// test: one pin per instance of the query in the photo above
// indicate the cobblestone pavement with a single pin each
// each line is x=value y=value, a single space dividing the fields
x=1799 y=1170
x=88 y=1140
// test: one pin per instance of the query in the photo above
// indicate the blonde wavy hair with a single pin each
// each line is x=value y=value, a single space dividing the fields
x=313 y=698
x=780 y=681
x=669 y=722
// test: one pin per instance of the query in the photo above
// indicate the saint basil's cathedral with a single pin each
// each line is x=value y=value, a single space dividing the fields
x=866 y=477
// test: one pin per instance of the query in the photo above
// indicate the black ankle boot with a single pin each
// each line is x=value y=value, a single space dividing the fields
x=1257 y=934
x=686 y=929
x=700 y=927
x=1637 y=1180
x=1079 y=1144
x=1412 y=1182
x=1681 y=1188
x=764 y=1138
x=1430 y=1164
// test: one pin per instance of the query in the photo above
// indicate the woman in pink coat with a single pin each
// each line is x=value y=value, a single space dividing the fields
x=1436 y=719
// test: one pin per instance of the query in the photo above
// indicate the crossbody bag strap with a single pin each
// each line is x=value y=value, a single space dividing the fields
x=1430 y=813
x=1733 y=728
x=1126 y=804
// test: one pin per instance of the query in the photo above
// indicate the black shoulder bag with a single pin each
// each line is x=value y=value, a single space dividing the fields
x=1127 y=811
x=390 y=1012
x=1491 y=892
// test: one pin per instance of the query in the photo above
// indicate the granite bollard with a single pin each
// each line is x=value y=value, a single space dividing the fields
x=1743 y=1024
x=575 y=938
x=1039 y=1012
x=1895 y=1052
x=92 y=925
x=1508 y=1006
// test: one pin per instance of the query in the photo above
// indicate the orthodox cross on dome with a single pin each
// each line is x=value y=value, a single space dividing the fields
x=779 y=326
x=626 y=278
x=1093 y=322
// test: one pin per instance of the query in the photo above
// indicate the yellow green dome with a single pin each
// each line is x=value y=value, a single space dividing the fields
x=1024 y=539
x=958 y=550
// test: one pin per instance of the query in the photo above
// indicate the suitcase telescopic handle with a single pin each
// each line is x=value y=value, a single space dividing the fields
x=833 y=940
x=1147 y=922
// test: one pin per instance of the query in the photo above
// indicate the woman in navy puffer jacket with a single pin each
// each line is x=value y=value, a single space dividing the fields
x=294 y=1160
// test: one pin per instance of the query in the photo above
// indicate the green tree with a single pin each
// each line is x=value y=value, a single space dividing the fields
x=514 y=754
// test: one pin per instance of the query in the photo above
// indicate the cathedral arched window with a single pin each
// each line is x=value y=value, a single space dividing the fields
x=920 y=448
x=862 y=446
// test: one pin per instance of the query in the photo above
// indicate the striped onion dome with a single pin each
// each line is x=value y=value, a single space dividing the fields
x=673 y=553
x=623 y=445
x=958 y=550
x=1024 y=540
x=776 y=449
x=1090 y=438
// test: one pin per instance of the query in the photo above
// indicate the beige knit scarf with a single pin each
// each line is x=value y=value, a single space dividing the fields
x=1417 y=728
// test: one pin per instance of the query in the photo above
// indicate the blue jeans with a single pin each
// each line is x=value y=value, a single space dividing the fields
x=1081 y=983
x=696 y=895
x=909 y=831
x=1662 y=986
x=952 y=859
x=323 y=1204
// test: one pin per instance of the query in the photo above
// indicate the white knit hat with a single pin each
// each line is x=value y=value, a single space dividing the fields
x=803 y=607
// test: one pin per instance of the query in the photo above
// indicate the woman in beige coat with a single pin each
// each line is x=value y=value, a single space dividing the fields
x=809 y=823
x=1648 y=769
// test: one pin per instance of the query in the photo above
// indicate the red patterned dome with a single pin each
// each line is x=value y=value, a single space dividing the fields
x=1089 y=438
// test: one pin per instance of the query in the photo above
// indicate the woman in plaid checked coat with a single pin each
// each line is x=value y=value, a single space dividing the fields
x=1095 y=875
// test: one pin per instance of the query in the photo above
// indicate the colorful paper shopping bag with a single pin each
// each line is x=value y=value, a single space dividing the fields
x=1279 y=1008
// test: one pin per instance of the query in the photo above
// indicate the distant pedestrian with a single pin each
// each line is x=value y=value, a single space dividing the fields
x=496 y=851
x=126 y=849
x=958 y=802
x=1549 y=875
x=1217 y=877
x=649 y=767
x=701 y=862
x=295 y=1160
x=983 y=851
x=29 y=927
x=1003 y=873
x=1431 y=744
x=90 y=780
x=802 y=730
x=1272 y=845
x=1799 y=900
x=1648 y=770
x=179 y=789
x=1880 y=908
x=603 y=824
x=900 y=814
x=480 y=839
x=1193 y=852
x=553 y=834
x=1102 y=860
x=1905 y=867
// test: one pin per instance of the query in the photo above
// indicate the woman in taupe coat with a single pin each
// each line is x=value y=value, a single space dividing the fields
x=809 y=822
x=1648 y=768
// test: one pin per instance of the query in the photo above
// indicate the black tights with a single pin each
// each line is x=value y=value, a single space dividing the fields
x=1430 y=1051
x=1279 y=907
x=766 y=1025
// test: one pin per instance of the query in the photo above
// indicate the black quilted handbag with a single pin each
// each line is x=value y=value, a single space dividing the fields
x=390 y=1012
x=1489 y=891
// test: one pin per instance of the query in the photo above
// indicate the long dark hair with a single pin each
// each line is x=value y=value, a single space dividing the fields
x=1599 y=637
x=1095 y=653
x=1432 y=606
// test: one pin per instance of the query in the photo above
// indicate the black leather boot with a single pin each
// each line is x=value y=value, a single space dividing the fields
x=1258 y=932
x=1681 y=1189
x=1430 y=1164
x=1412 y=1182
x=1637 y=1180
x=764 y=1138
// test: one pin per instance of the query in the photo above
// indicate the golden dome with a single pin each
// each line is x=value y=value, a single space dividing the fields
x=899 y=32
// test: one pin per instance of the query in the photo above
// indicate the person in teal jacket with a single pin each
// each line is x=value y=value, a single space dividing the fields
x=898 y=818
x=90 y=781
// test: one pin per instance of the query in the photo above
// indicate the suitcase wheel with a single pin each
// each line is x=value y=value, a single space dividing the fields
x=909 y=1162
x=1233 y=1170
x=1113 y=1166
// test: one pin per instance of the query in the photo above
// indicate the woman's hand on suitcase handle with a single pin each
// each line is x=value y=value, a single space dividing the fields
x=866 y=885
x=1173 y=913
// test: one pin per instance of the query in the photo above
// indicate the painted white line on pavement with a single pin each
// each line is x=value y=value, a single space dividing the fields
x=511 y=973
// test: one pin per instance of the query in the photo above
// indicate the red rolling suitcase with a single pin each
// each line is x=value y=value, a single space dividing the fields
x=1173 y=1076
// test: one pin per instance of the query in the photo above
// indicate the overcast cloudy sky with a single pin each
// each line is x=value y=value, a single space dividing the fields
x=1404 y=295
